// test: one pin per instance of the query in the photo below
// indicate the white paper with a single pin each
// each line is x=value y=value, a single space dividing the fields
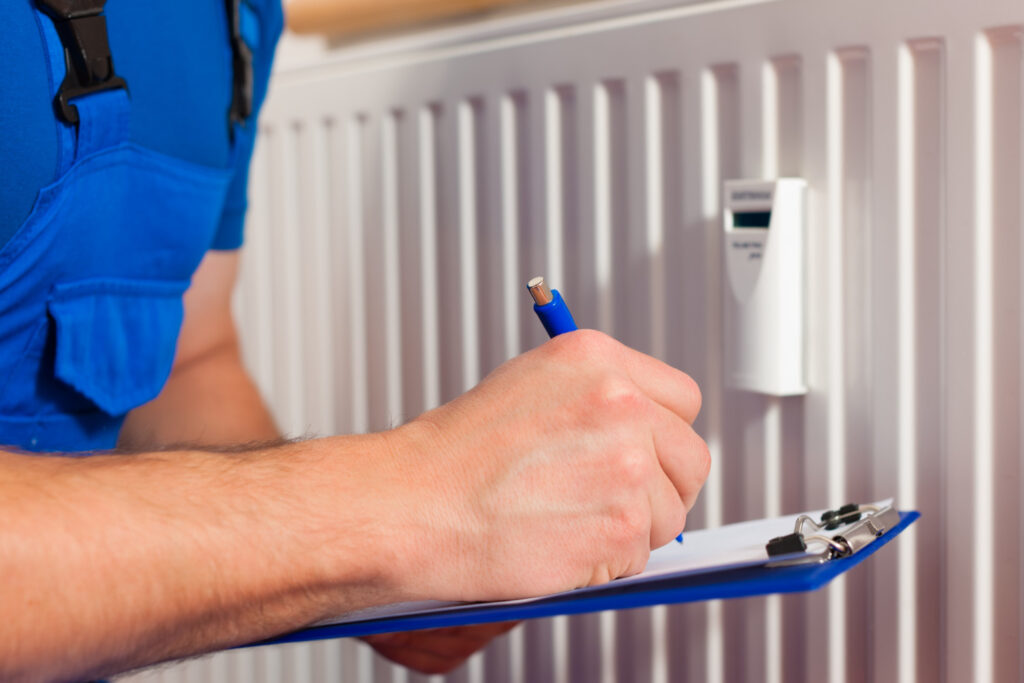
x=702 y=551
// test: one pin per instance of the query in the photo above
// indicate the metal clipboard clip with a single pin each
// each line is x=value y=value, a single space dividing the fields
x=858 y=526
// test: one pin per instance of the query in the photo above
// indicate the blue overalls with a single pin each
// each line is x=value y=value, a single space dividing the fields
x=91 y=284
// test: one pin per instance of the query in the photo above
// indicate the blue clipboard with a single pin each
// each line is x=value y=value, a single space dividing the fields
x=733 y=583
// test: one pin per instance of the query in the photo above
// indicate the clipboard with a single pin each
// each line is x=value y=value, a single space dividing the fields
x=820 y=547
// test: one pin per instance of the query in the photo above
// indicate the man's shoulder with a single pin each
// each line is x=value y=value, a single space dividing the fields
x=28 y=140
x=178 y=68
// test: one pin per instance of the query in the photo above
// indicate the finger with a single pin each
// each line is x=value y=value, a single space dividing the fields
x=456 y=641
x=491 y=631
x=455 y=638
x=668 y=386
x=475 y=631
x=423 y=662
x=423 y=651
x=667 y=510
x=682 y=454
x=455 y=648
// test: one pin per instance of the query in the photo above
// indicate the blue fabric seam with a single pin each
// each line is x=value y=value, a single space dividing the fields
x=47 y=202
x=35 y=417
x=50 y=71
x=183 y=168
x=104 y=121
x=122 y=287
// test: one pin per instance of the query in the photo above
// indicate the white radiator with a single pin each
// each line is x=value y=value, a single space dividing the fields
x=400 y=184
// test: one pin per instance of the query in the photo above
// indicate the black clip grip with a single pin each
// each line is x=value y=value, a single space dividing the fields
x=90 y=67
x=847 y=514
x=786 y=545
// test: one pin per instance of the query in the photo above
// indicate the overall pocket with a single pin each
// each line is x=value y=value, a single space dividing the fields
x=116 y=338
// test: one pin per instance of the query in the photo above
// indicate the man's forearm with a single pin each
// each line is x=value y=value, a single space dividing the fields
x=181 y=552
x=561 y=469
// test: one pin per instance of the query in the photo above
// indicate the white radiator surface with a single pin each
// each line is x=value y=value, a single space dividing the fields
x=590 y=144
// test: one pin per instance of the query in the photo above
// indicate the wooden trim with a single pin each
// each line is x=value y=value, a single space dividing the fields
x=338 y=17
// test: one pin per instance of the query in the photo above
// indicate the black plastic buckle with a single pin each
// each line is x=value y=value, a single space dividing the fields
x=241 y=68
x=90 y=67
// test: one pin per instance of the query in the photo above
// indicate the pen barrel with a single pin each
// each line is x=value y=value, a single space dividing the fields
x=555 y=315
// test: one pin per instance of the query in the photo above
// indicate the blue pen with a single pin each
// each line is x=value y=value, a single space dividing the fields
x=554 y=314
x=550 y=308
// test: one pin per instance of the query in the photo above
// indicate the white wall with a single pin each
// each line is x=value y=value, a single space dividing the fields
x=589 y=144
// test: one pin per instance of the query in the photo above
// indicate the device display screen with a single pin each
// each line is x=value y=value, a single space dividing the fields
x=751 y=219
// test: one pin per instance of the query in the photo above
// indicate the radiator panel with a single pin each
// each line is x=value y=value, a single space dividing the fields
x=403 y=193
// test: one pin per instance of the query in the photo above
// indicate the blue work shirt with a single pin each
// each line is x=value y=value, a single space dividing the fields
x=176 y=59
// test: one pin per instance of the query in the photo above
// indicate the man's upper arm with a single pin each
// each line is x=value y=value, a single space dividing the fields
x=208 y=375
x=208 y=326
x=208 y=398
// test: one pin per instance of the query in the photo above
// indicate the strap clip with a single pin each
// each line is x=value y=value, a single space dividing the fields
x=241 y=68
x=89 y=65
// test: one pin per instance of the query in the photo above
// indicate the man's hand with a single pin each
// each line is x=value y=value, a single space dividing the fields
x=562 y=469
x=570 y=424
x=439 y=650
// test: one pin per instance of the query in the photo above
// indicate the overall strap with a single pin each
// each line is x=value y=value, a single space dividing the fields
x=89 y=99
x=243 y=28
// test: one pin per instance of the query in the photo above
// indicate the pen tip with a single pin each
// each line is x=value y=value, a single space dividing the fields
x=539 y=290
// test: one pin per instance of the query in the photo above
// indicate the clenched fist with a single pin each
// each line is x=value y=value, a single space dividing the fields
x=562 y=469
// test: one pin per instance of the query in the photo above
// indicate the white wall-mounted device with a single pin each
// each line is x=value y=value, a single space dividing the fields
x=764 y=315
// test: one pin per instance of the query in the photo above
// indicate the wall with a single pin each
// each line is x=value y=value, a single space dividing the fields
x=589 y=144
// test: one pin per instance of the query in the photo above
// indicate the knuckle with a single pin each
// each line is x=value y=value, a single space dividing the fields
x=637 y=559
x=574 y=347
x=593 y=340
x=618 y=396
x=634 y=468
x=589 y=345
x=630 y=521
